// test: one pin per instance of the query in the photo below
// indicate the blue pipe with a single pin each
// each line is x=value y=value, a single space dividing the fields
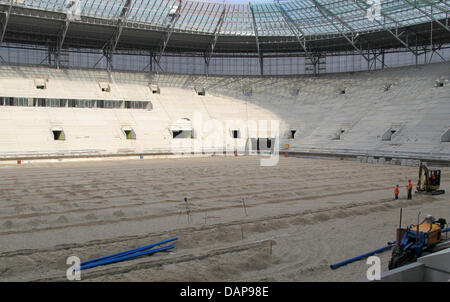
x=121 y=254
x=390 y=244
x=118 y=259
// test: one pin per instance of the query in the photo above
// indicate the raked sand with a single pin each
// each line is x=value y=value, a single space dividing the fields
x=300 y=216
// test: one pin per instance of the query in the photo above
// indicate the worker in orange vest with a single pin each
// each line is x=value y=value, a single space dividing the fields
x=433 y=179
x=396 y=191
x=410 y=186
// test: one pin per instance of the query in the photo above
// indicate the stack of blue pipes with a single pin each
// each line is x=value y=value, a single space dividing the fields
x=130 y=254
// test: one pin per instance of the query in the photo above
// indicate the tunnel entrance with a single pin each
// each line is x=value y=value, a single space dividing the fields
x=58 y=135
x=182 y=134
x=262 y=144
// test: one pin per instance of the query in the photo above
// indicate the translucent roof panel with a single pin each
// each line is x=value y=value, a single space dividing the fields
x=272 y=17
x=238 y=21
x=270 y=20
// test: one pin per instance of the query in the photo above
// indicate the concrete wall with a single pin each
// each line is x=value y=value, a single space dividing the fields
x=412 y=106
x=431 y=268
x=27 y=131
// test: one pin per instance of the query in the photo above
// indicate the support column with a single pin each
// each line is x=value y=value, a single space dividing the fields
x=108 y=55
x=212 y=44
x=4 y=22
x=60 y=42
x=170 y=28
x=255 y=28
x=152 y=55
x=110 y=46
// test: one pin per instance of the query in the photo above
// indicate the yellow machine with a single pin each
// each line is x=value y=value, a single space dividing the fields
x=432 y=229
x=429 y=181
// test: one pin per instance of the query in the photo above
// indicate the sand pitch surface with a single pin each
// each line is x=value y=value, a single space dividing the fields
x=299 y=217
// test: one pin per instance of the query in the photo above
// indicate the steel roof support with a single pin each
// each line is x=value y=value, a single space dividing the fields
x=396 y=35
x=110 y=47
x=430 y=16
x=212 y=45
x=433 y=49
x=73 y=13
x=327 y=14
x=4 y=22
x=168 y=34
x=295 y=30
x=255 y=28
x=150 y=65
x=123 y=17
x=438 y=7
x=60 y=42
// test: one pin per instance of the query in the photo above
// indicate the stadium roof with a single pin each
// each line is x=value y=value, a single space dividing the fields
x=227 y=26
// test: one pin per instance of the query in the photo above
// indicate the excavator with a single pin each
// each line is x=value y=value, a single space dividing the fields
x=429 y=181
x=425 y=236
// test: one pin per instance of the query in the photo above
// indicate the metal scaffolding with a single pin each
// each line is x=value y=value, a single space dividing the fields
x=202 y=16
x=312 y=29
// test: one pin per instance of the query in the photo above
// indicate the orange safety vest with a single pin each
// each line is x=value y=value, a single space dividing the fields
x=396 y=190
x=410 y=186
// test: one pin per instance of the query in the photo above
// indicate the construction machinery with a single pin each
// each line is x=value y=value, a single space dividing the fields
x=429 y=181
x=415 y=239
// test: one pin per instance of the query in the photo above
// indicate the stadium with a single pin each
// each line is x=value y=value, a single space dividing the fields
x=264 y=137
